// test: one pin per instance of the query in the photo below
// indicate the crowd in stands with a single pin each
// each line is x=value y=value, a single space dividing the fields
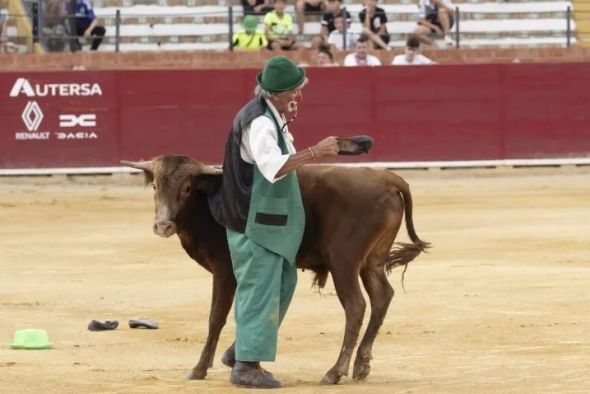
x=436 y=20
x=74 y=23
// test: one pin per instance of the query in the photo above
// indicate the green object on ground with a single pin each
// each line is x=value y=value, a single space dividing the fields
x=31 y=338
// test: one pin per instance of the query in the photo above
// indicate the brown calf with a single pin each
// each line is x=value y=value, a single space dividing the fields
x=352 y=218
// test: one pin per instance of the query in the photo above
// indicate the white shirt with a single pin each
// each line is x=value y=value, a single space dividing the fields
x=335 y=38
x=402 y=60
x=350 y=61
x=260 y=144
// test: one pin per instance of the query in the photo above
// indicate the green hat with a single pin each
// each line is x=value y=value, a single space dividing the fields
x=280 y=75
x=31 y=338
x=249 y=22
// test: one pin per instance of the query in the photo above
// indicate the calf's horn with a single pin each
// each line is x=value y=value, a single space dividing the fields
x=140 y=165
x=208 y=170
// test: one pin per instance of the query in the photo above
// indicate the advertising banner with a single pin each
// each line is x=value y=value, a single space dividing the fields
x=432 y=113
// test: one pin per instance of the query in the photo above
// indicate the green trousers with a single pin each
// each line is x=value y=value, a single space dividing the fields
x=265 y=286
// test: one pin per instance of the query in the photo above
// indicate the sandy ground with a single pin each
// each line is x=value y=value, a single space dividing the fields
x=501 y=304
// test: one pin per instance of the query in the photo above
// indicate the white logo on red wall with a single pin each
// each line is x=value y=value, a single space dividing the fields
x=32 y=116
x=71 y=126
x=71 y=120
x=23 y=86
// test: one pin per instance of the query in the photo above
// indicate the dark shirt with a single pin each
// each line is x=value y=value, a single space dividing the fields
x=231 y=203
x=377 y=20
x=84 y=14
x=248 y=9
x=328 y=20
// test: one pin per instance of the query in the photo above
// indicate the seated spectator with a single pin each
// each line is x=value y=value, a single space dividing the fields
x=412 y=56
x=55 y=30
x=249 y=37
x=256 y=6
x=279 y=28
x=334 y=9
x=323 y=58
x=436 y=20
x=87 y=24
x=307 y=6
x=336 y=38
x=375 y=25
x=360 y=56
x=3 y=38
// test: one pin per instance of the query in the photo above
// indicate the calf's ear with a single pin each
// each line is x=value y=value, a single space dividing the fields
x=146 y=166
x=208 y=179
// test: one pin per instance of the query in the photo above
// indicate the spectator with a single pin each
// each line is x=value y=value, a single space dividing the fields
x=87 y=24
x=3 y=38
x=55 y=30
x=375 y=26
x=334 y=8
x=336 y=38
x=279 y=28
x=360 y=56
x=256 y=6
x=436 y=19
x=412 y=55
x=323 y=58
x=249 y=37
x=307 y=6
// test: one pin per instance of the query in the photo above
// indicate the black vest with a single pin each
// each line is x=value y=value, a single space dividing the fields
x=230 y=204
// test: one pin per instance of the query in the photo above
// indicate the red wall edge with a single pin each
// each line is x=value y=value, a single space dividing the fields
x=445 y=112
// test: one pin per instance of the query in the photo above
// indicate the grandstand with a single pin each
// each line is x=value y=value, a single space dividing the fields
x=203 y=24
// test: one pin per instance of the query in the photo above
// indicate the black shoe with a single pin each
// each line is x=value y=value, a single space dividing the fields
x=95 y=325
x=250 y=374
x=143 y=323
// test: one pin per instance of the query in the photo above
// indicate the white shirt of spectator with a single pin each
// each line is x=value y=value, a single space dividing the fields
x=402 y=60
x=351 y=61
x=423 y=4
x=260 y=144
x=336 y=38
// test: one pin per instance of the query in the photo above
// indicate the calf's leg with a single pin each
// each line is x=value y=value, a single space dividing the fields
x=351 y=298
x=380 y=293
x=224 y=286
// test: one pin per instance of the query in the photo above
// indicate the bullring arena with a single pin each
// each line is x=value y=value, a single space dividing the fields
x=494 y=141
x=500 y=304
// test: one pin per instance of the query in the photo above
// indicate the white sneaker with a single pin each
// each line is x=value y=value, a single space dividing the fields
x=449 y=41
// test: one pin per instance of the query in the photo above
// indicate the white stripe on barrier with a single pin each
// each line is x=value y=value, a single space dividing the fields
x=390 y=164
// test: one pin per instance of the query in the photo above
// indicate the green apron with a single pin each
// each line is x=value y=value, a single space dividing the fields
x=263 y=260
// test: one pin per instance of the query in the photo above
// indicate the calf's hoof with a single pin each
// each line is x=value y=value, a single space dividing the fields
x=361 y=370
x=331 y=377
x=196 y=374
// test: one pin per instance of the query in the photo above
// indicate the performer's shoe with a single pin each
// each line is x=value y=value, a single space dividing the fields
x=250 y=374
x=229 y=357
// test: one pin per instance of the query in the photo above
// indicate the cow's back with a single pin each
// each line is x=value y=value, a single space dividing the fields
x=346 y=208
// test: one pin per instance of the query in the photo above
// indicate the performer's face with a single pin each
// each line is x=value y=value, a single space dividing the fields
x=287 y=101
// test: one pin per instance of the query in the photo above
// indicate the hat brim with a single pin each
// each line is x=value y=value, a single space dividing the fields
x=295 y=86
x=39 y=347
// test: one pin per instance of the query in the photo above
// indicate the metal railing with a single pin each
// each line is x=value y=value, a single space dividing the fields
x=42 y=32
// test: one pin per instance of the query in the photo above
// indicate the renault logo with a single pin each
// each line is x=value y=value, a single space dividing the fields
x=32 y=116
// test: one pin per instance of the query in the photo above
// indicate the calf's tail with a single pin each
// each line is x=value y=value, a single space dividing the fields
x=404 y=253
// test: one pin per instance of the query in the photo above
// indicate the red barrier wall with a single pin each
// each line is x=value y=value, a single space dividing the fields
x=451 y=112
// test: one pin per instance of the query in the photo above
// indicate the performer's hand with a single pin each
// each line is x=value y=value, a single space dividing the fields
x=326 y=147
